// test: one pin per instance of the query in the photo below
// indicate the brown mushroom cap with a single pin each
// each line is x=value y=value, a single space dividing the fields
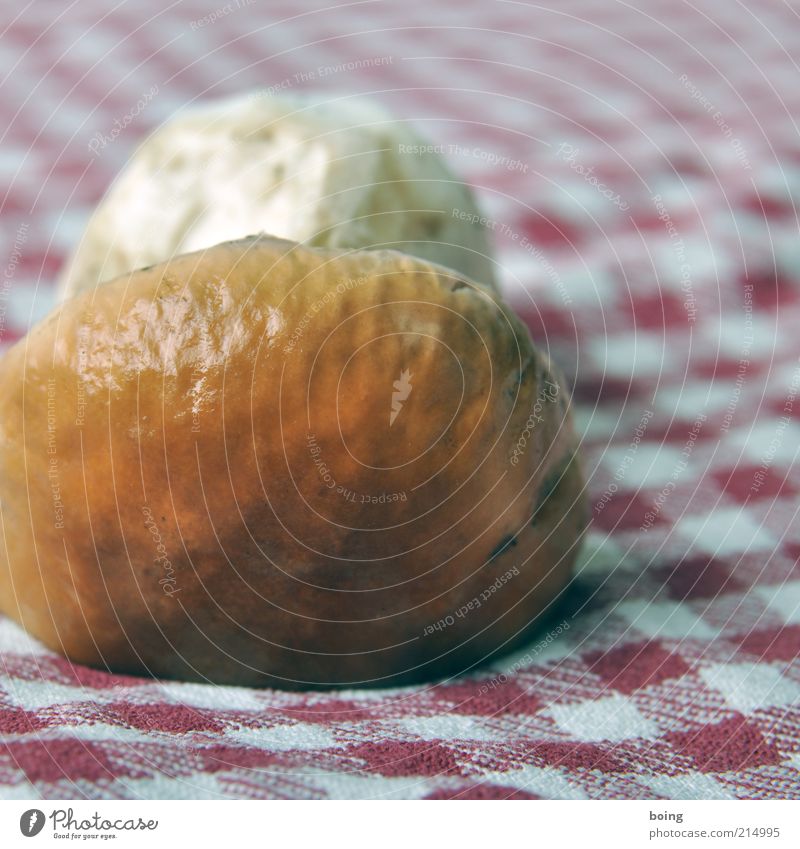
x=268 y=464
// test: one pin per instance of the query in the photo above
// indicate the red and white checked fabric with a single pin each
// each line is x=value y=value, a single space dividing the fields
x=646 y=226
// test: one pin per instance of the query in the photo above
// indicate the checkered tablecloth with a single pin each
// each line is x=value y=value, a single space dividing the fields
x=640 y=169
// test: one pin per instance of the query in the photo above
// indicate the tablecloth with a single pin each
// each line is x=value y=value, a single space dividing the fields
x=639 y=169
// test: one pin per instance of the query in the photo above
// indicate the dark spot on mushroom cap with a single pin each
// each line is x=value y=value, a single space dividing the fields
x=504 y=545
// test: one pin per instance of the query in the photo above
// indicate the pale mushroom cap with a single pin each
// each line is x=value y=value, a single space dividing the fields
x=340 y=173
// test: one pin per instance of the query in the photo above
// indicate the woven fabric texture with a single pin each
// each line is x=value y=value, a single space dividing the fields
x=639 y=169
